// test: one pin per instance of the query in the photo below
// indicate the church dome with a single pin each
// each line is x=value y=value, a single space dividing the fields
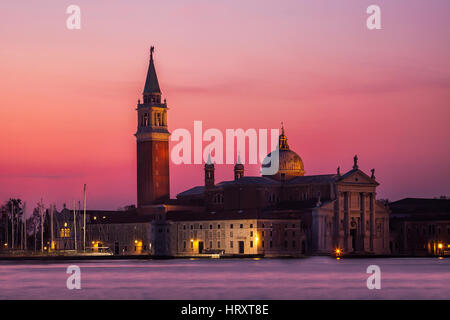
x=290 y=163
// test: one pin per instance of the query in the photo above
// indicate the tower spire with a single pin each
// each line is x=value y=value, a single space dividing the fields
x=151 y=83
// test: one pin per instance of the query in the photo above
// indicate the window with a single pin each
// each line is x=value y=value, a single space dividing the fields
x=231 y=233
x=263 y=233
x=270 y=243
x=218 y=198
x=251 y=244
x=210 y=226
x=218 y=244
x=218 y=226
x=262 y=243
x=241 y=226
x=184 y=227
x=158 y=119
x=145 y=120
x=251 y=225
x=192 y=227
x=210 y=244
x=201 y=226
x=184 y=244
x=231 y=244
x=64 y=233
x=231 y=226
x=293 y=244
x=192 y=244
x=251 y=233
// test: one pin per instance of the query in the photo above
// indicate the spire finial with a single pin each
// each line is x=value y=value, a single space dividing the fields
x=282 y=139
x=209 y=158
x=239 y=158
x=373 y=174
x=152 y=48
x=355 y=162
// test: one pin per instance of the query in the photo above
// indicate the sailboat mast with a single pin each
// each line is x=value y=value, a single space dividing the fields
x=75 y=225
x=24 y=226
x=42 y=226
x=12 y=224
x=51 y=227
x=84 y=220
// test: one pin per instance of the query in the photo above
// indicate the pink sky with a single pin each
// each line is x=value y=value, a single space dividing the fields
x=68 y=97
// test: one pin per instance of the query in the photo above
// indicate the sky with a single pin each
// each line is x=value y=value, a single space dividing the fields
x=68 y=97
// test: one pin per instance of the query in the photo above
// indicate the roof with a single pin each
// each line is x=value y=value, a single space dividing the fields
x=151 y=83
x=420 y=206
x=250 y=180
x=229 y=215
x=321 y=178
x=108 y=216
x=198 y=190
x=111 y=217
x=255 y=180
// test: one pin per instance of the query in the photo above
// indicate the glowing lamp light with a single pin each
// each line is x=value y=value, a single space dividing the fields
x=135 y=241
x=440 y=246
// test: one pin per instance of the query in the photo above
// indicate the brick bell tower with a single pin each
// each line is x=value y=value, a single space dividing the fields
x=152 y=139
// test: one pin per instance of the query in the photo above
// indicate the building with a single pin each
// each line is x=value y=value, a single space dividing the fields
x=284 y=214
x=420 y=227
x=331 y=211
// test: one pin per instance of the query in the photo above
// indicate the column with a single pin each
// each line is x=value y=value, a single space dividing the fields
x=346 y=221
x=372 y=220
x=336 y=221
x=362 y=220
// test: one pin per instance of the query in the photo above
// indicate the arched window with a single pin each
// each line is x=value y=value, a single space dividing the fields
x=145 y=120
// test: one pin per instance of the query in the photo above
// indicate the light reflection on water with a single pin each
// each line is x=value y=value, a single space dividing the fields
x=310 y=278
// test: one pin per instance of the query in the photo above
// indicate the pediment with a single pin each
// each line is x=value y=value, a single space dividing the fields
x=357 y=177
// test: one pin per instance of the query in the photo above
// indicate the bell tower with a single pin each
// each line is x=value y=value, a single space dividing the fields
x=152 y=138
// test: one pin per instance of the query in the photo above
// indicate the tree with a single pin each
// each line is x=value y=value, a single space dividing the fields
x=13 y=226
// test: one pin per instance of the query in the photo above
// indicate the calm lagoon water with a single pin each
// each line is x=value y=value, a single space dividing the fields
x=309 y=278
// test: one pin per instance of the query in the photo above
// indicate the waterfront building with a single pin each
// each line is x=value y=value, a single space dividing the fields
x=420 y=227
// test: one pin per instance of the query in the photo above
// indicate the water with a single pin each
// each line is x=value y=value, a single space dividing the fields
x=309 y=278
